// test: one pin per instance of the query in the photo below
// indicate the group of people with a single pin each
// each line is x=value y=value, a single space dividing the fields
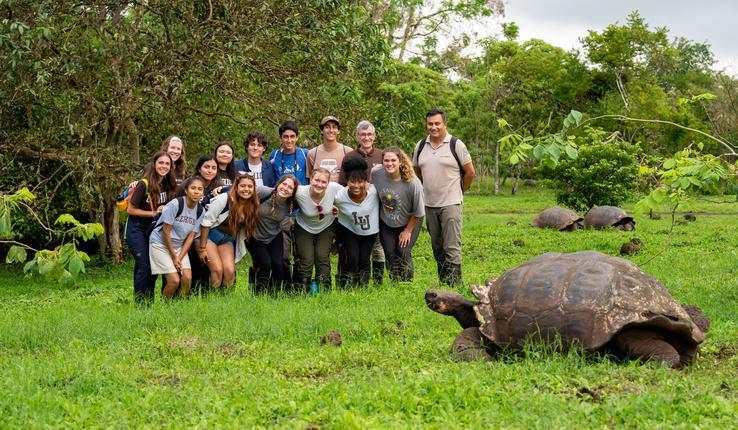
x=293 y=209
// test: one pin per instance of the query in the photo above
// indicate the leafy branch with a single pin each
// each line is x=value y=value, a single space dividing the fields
x=65 y=262
x=548 y=148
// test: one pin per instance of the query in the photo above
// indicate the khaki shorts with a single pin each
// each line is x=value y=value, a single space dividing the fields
x=161 y=262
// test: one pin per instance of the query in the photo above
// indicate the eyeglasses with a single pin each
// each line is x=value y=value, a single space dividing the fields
x=321 y=215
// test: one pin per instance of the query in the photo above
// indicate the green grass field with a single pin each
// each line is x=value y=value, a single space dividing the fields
x=86 y=357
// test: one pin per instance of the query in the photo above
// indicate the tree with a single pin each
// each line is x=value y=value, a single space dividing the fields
x=410 y=22
x=532 y=85
x=89 y=84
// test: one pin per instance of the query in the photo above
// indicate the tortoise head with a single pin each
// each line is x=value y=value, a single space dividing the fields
x=625 y=224
x=452 y=304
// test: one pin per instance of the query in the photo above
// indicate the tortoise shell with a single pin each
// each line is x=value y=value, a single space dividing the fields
x=558 y=218
x=601 y=217
x=583 y=298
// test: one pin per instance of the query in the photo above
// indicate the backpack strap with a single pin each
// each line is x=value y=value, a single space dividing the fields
x=225 y=208
x=452 y=147
x=421 y=145
x=180 y=207
x=152 y=205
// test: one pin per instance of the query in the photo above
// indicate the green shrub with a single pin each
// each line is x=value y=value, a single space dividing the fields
x=602 y=174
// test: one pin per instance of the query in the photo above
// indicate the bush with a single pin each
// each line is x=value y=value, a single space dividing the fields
x=602 y=174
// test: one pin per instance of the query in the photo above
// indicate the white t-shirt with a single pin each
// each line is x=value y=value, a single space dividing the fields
x=361 y=218
x=255 y=172
x=309 y=217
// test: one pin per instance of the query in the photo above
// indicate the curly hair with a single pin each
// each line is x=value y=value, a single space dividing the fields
x=355 y=168
x=243 y=212
x=406 y=166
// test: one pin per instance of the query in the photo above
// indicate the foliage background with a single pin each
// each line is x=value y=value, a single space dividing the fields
x=90 y=89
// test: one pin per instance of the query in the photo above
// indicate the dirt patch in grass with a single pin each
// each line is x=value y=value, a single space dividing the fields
x=588 y=394
x=188 y=343
x=228 y=349
x=725 y=352
x=394 y=329
x=306 y=374
x=332 y=338
x=164 y=380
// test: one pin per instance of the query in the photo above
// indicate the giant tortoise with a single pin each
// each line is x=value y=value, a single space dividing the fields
x=585 y=299
x=561 y=219
x=601 y=217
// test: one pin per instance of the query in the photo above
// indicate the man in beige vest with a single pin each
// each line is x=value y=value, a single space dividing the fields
x=446 y=175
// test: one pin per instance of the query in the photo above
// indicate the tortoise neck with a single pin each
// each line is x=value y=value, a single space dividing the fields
x=464 y=314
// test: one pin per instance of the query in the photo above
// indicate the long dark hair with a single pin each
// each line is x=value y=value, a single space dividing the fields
x=230 y=169
x=159 y=184
x=180 y=166
x=243 y=212
x=214 y=182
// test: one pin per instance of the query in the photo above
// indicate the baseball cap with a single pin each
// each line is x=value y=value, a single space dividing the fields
x=328 y=119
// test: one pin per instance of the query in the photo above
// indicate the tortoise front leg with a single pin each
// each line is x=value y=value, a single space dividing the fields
x=647 y=345
x=470 y=345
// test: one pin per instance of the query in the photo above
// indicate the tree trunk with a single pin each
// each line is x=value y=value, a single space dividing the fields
x=134 y=140
x=407 y=32
x=107 y=215
x=516 y=178
x=496 y=169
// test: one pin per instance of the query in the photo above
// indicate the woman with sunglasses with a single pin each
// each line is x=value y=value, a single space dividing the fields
x=401 y=209
x=315 y=229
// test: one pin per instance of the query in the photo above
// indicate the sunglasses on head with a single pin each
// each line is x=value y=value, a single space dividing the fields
x=321 y=215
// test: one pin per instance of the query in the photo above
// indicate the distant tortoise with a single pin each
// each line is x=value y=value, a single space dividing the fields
x=601 y=217
x=561 y=219
x=585 y=299
x=633 y=246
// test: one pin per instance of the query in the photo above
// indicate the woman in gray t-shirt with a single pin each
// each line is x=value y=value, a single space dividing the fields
x=400 y=212
x=267 y=247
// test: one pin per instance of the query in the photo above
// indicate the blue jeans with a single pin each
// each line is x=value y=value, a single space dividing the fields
x=218 y=237
x=137 y=239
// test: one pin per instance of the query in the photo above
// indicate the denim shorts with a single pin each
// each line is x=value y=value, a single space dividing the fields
x=218 y=237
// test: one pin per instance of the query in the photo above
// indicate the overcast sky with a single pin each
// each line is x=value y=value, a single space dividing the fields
x=563 y=22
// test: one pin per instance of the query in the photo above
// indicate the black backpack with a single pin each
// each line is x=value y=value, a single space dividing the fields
x=452 y=145
x=180 y=208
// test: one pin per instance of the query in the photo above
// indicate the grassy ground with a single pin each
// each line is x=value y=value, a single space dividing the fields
x=87 y=357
